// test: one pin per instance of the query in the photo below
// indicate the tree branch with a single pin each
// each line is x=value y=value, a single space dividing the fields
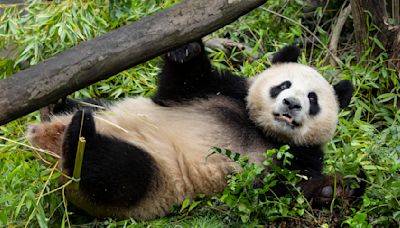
x=113 y=52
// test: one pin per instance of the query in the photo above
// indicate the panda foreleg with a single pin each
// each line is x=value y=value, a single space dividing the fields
x=321 y=190
x=115 y=175
x=185 y=74
x=318 y=188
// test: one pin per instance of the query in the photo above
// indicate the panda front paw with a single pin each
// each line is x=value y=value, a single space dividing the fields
x=185 y=53
x=322 y=190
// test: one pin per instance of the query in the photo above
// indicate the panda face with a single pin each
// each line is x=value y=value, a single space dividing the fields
x=294 y=103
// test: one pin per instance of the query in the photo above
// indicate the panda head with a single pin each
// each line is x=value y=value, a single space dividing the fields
x=293 y=103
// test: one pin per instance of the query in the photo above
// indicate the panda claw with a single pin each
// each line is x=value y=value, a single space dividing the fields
x=185 y=53
x=327 y=191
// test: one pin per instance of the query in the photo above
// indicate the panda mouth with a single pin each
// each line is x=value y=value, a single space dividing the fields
x=286 y=118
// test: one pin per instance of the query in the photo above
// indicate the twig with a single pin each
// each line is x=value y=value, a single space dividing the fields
x=338 y=61
x=59 y=188
x=32 y=147
x=66 y=216
x=227 y=45
x=111 y=123
x=337 y=29
x=41 y=194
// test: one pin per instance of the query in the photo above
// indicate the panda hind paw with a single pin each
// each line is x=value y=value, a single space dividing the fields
x=82 y=124
x=185 y=53
x=52 y=109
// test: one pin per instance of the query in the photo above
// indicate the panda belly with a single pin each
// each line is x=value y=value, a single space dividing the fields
x=192 y=129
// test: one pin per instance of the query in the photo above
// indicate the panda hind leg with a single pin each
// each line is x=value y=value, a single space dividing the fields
x=115 y=173
x=67 y=105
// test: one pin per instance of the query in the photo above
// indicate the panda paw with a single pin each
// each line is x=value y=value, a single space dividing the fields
x=52 y=109
x=185 y=53
x=322 y=190
x=47 y=136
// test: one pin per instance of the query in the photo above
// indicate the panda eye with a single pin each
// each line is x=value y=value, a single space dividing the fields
x=274 y=92
x=312 y=97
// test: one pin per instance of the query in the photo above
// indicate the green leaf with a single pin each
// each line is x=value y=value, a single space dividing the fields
x=185 y=204
x=3 y=217
x=193 y=205
x=378 y=42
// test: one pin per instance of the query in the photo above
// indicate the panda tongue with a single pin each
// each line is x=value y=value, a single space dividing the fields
x=285 y=118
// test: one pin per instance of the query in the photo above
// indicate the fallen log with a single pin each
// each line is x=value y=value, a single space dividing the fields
x=113 y=52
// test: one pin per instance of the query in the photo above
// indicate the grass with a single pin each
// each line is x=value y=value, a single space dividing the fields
x=368 y=134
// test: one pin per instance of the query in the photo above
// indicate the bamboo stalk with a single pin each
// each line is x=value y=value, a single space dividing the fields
x=76 y=175
x=78 y=163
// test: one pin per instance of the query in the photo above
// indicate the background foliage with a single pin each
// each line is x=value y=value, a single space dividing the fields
x=368 y=134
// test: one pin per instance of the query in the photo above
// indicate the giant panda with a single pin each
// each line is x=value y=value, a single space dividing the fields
x=144 y=155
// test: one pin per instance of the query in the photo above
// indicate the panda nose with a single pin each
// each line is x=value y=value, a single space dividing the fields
x=292 y=103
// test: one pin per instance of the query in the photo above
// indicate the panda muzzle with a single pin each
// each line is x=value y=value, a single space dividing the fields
x=287 y=118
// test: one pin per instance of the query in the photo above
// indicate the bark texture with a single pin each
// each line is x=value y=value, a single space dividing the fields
x=388 y=34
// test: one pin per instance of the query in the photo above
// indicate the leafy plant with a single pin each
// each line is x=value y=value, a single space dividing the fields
x=251 y=193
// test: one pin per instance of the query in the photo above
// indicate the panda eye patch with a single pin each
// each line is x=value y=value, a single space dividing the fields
x=312 y=97
x=314 y=106
x=274 y=92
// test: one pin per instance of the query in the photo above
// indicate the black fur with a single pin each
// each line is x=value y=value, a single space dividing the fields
x=276 y=90
x=114 y=173
x=287 y=54
x=292 y=103
x=344 y=90
x=68 y=105
x=187 y=73
x=308 y=160
x=314 y=106
x=237 y=119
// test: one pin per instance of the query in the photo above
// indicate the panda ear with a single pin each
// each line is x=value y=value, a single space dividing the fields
x=286 y=55
x=344 y=90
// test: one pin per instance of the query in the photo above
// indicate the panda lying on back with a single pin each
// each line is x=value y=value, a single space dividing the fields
x=144 y=155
